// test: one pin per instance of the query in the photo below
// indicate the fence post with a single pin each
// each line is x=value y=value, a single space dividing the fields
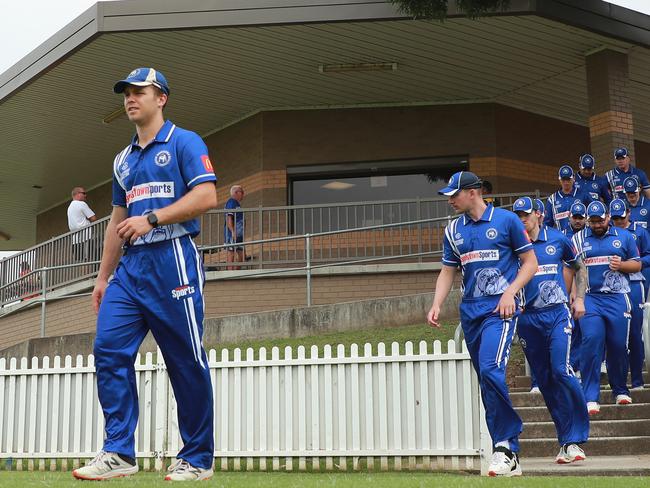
x=418 y=216
x=43 y=298
x=260 y=218
x=308 y=266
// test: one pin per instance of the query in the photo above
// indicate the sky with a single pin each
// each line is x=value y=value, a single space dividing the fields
x=25 y=24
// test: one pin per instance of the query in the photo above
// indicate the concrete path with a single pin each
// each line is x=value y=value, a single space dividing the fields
x=592 y=466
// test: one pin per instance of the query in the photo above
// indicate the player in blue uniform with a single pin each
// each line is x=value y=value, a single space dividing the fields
x=556 y=213
x=609 y=254
x=620 y=217
x=545 y=328
x=494 y=252
x=162 y=181
x=590 y=186
x=577 y=222
x=615 y=177
x=638 y=204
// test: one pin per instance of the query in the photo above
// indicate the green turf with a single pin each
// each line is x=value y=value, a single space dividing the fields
x=353 y=480
x=387 y=335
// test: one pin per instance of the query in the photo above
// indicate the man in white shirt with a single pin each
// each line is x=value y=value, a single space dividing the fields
x=79 y=216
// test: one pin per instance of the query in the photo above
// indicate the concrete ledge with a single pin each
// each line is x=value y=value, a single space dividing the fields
x=294 y=322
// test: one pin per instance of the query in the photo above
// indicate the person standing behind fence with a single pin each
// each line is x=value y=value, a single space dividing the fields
x=80 y=216
x=234 y=226
x=162 y=181
x=496 y=256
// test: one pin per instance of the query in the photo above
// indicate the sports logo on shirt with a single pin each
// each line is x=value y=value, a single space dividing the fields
x=475 y=256
x=489 y=281
x=594 y=186
x=550 y=250
x=614 y=281
x=562 y=215
x=546 y=269
x=597 y=261
x=643 y=211
x=182 y=291
x=522 y=342
x=550 y=292
x=207 y=164
x=154 y=189
x=163 y=158
x=123 y=169
x=616 y=243
x=491 y=233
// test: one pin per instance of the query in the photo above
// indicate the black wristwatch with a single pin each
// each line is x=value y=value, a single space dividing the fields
x=152 y=219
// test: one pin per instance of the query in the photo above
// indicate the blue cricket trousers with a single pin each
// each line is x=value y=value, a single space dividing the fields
x=488 y=339
x=159 y=288
x=606 y=323
x=636 y=347
x=545 y=336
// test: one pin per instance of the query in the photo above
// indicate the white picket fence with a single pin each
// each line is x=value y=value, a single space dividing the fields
x=388 y=410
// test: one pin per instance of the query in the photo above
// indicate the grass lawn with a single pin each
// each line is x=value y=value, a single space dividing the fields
x=285 y=480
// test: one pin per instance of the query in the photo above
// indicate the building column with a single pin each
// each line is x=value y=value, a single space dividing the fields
x=610 y=110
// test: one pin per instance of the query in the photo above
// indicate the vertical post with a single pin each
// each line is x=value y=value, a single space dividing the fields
x=537 y=194
x=43 y=298
x=261 y=236
x=418 y=216
x=308 y=266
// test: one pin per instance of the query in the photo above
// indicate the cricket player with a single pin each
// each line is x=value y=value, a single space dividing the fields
x=610 y=255
x=559 y=203
x=638 y=205
x=162 y=181
x=494 y=252
x=545 y=329
x=589 y=185
x=624 y=169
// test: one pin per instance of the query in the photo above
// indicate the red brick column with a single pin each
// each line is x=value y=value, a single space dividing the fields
x=610 y=111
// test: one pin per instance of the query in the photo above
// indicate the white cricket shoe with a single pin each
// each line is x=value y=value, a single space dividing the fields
x=104 y=466
x=181 y=470
x=535 y=389
x=593 y=408
x=570 y=453
x=623 y=399
x=504 y=463
x=637 y=388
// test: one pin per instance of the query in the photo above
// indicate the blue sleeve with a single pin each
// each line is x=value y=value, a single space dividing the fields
x=195 y=164
x=643 y=243
x=119 y=195
x=519 y=239
x=548 y=214
x=643 y=179
x=631 y=248
x=569 y=254
x=450 y=256
x=231 y=204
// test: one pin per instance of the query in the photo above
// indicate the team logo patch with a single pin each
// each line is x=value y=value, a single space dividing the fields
x=616 y=243
x=489 y=281
x=522 y=342
x=550 y=292
x=594 y=186
x=163 y=158
x=133 y=73
x=207 y=164
x=491 y=233
x=613 y=281
x=458 y=235
x=616 y=206
x=643 y=211
x=182 y=291
x=550 y=250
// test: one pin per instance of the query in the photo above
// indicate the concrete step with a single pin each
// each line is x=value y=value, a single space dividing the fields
x=601 y=446
x=526 y=399
x=607 y=412
x=524 y=381
x=638 y=465
x=597 y=429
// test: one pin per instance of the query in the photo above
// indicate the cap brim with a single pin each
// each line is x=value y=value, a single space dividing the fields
x=515 y=210
x=121 y=85
x=600 y=216
x=448 y=191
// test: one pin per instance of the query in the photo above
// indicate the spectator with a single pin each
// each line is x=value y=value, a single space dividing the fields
x=234 y=226
x=28 y=284
x=486 y=188
x=80 y=216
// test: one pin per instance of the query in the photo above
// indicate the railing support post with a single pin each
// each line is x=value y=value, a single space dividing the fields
x=308 y=266
x=43 y=298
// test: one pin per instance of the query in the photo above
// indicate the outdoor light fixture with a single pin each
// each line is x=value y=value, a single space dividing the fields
x=352 y=67
x=115 y=114
x=338 y=185
x=4 y=236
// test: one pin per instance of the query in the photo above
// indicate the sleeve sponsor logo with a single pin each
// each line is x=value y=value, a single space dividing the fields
x=207 y=164
x=182 y=291
x=597 y=261
x=546 y=269
x=475 y=256
x=153 y=189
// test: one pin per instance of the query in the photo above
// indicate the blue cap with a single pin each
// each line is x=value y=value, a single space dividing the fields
x=631 y=185
x=539 y=206
x=578 y=208
x=460 y=181
x=620 y=153
x=523 y=204
x=617 y=208
x=597 y=209
x=565 y=172
x=143 y=77
x=587 y=161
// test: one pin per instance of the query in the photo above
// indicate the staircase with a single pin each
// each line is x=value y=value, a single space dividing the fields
x=619 y=441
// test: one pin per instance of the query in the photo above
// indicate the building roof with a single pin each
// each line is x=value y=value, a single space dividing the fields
x=228 y=59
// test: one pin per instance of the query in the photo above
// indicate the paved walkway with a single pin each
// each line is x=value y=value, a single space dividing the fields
x=592 y=466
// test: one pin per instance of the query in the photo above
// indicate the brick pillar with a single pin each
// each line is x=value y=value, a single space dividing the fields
x=610 y=111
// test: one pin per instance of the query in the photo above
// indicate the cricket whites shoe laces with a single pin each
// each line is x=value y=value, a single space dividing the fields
x=504 y=463
x=104 y=466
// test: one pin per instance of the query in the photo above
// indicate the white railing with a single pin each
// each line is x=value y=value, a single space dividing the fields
x=307 y=410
